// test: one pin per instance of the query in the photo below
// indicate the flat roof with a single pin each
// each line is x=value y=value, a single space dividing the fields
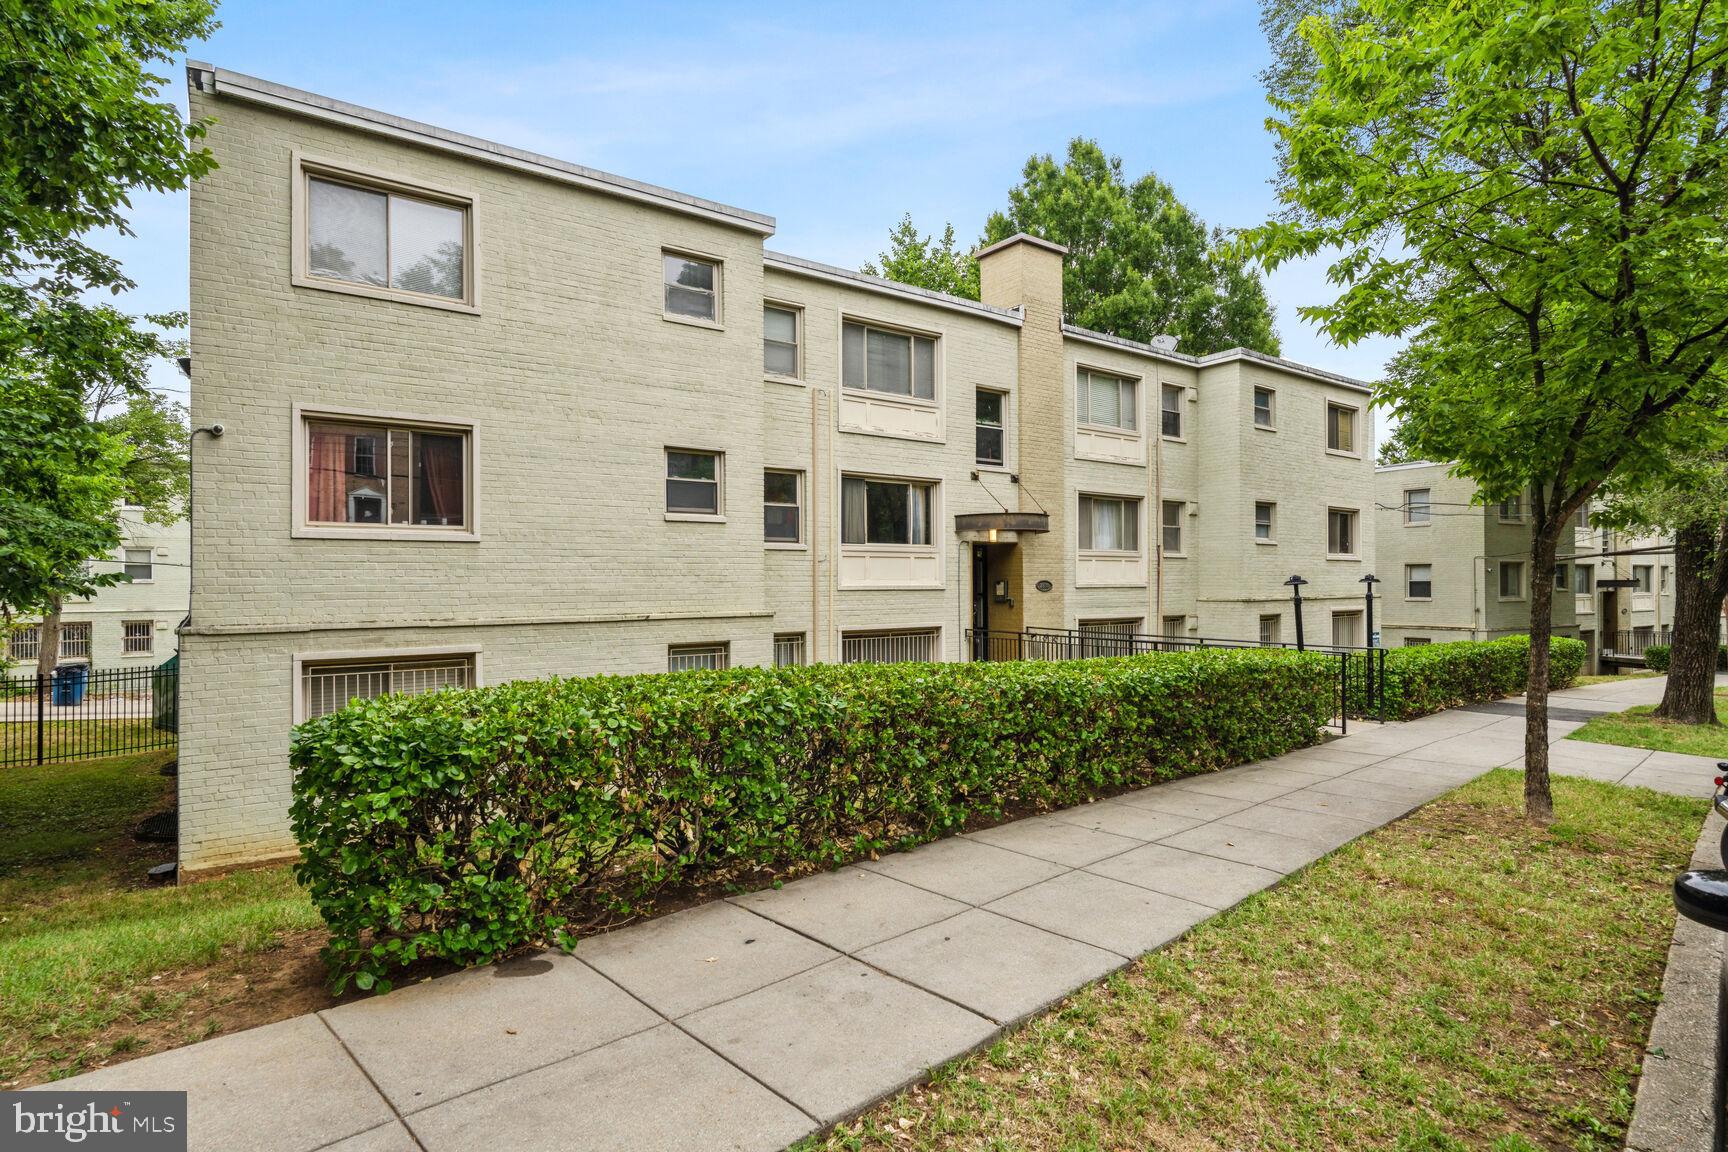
x=1230 y=354
x=222 y=82
x=798 y=266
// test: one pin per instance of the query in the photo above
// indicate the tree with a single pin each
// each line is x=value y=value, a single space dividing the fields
x=1692 y=505
x=926 y=262
x=1535 y=193
x=1139 y=263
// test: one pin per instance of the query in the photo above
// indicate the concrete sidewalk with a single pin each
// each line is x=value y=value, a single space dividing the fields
x=751 y=1022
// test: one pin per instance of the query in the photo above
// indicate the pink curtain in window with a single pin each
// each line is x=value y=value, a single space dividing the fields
x=441 y=465
x=327 y=478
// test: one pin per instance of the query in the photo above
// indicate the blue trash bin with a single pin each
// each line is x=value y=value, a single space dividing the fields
x=69 y=682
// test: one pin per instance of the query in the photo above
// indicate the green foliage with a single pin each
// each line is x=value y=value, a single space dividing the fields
x=1140 y=263
x=1427 y=678
x=60 y=480
x=926 y=262
x=157 y=476
x=463 y=824
x=1656 y=657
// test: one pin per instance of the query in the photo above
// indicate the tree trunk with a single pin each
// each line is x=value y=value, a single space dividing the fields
x=1538 y=796
x=48 y=645
x=1700 y=581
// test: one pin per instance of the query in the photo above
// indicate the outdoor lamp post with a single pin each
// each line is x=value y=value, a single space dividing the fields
x=1295 y=585
x=1368 y=583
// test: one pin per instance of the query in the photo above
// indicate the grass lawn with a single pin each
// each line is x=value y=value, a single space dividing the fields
x=1459 y=979
x=95 y=964
x=1586 y=681
x=1636 y=728
x=81 y=738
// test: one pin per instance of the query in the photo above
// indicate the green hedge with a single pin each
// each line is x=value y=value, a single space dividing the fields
x=1658 y=656
x=462 y=824
x=1427 y=678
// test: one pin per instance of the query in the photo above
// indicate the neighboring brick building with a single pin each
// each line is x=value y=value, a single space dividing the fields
x=492 y=416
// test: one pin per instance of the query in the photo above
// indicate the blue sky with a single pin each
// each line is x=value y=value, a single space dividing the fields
x=833 y=120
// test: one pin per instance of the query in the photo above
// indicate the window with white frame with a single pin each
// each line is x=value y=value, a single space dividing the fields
x=1641 y=574
x=1265 y=514
x=1104 y=401
x=1170 y=410
x=692 y=482
x=137 y=637
x=894 y=646
x=692 y=286
x=881 y=360
x=1340 y=428
x=987 y=439
x=1264 y=399
x=1347 y=629
x=1341 y=532
x=1583 y=578
x=1115 y=637
x=885 y=511
x=75 y=640
x=1511 y=580
x=1109 y=524
x=1418 y=581
x=780 y=342
x=366 y=474
x=789 y=649
x=1170 y=522
x=326 y=686
x=1271 y=629
x=782 y=505
x=375 y=236
x=1418 y=509
x=139 y=564
x=698 y=657
x=24 y=643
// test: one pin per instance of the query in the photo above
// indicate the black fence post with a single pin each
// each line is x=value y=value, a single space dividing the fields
x=41 y=680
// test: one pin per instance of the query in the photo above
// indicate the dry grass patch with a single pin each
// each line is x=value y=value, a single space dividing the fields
x=1458 y=980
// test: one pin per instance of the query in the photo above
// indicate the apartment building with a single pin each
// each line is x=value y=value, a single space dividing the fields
x=1456 y=569
x=491 y=416
x=126 y=625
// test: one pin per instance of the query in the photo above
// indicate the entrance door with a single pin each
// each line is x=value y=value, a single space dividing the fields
x=980 y=602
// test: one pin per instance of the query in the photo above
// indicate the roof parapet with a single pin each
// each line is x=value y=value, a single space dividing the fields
x=798 y=266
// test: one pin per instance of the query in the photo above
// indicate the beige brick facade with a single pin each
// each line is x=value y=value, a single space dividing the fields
x=572 y=383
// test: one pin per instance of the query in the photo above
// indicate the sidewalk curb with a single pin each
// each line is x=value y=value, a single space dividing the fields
x=1680 y=1104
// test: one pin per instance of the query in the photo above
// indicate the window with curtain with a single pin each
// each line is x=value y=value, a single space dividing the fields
x=893 y=363
x=1109 y=524
x=1419 y=581
x=1341 y=532
x=140 y=564
x=377 y=474
x=1641 y=577
x=780 y=341
x=885 y=511
x=1340 y=428
x=1511 y=580
x=1584 y=577
x=1104 y=401
x=384 y=239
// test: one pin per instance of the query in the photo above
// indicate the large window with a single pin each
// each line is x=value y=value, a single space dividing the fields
x=326 y=687
x=893 y=363
x=692 y=482
x=1341 y=532
x=698 y=657
x=1264 y=521
x=1340 y=428
x=1170 y=410
x=1418 y=508
x=1171 y=524
x=387 y=240
x=1105 y=401
x=885 y=511
x=139 y=564
x=1263 y=411
x=1419 y=581
x=386 y=475
x=780 y=341
x=1511 y=580
x=988 y=438
x=889 y=647
x=692 y=287
x=137 y=637
x=1109 y=524
x=781 y=506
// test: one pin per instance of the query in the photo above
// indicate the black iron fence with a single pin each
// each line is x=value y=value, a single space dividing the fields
x=1631 y=642
x=81 y=713
x=1359 y=672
